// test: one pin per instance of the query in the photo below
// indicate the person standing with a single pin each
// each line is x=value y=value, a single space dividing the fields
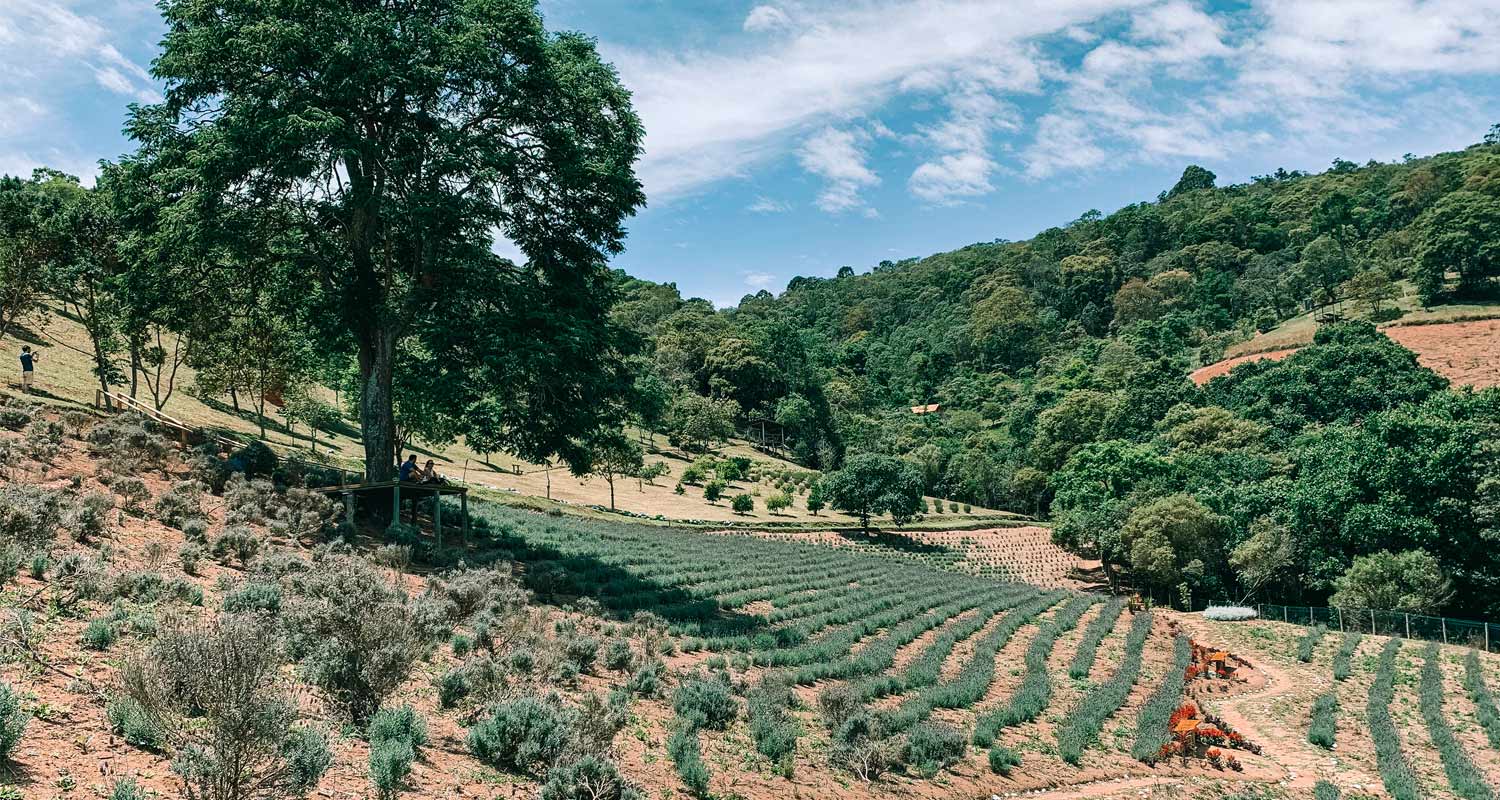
x=28 y=368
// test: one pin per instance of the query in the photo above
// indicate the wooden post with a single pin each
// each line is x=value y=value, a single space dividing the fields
x=1340 y=612
x=396 y=502
x=463 y=504
x=1372 y=620
x=349 y=508
x=1445 y=629
x=437 y=516
x=1408 y=625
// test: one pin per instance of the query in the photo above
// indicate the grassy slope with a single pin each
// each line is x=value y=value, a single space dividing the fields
x=65 y=378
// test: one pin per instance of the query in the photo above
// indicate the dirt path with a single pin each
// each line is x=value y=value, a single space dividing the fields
x=1250 y=714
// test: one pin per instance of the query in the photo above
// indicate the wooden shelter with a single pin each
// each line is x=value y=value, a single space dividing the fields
x=930 y=408
x=412 y=490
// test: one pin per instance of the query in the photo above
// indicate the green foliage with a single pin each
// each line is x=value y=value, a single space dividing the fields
x=128 y=718
x=1323 y=790
x=1152 y=722
x=870 y=485
x=1324 y=725
x=29 y=515
x=1484 y=700
x=930 y=747
x=713 y=490
x=1031 y=697
x=1466 y=779
x=127 y=789
x=523 y=734
x=647 y=679
x=742 y=504
x=253 y=597
x=706 y=702
x=687 y=757
x=13 y=722
x=1081 y=726
x=1309 y=642
x=1002 y=759
x=1411 y=581
x=1395 y=770
x=1088 y=646
x=772 y=725
x=396 y=735
x=1341 y=658
x=99 y=634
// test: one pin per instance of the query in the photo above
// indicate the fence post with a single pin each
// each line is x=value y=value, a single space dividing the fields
x=1445 y=629
x=1372 y=620
x=1408 y=625
x=1286 y=614
x=1340 y=612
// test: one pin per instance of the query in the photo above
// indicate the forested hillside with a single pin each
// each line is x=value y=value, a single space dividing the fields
x=1061 y=367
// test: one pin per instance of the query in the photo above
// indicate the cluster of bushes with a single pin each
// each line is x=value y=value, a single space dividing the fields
x=1309 y=642
x=532 y=735
x=1088 y=646
x=1153 y=721
x=1395 y=771
x=1081 y=726
x=1324 y=727
x=1342 y=656
x=1467 y=780
x=699 y=702
x=1484 y=702
x=13 y=722
x=1031 y=697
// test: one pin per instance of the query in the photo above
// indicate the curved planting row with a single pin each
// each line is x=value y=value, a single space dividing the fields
x=1465 y=778
x=1036 y=687
x=926 y=668
x=1081 y=726
x=1152 y=728
x=1484 y=702
x=1395 y=771
x=1341 y=658
x=1088 y=648
x=974 y=678
x=1324 y=726
x=1309 y=642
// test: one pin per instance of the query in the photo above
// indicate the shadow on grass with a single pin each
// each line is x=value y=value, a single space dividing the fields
x=890 y=541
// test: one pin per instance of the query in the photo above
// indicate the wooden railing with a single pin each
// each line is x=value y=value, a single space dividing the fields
x=183 y=432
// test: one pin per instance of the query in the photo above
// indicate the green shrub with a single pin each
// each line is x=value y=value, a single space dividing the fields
x=1152 y=721
x=617 y=655
x=87 y=518
x=1003 y=759
x=1324 y=725
x=253 y=597
x=837 y=703
x=742 y=504
x=129 y=719
x=453 y=686
x=588 y=778
x=930 y=747
x=305 y=753
x=195 y=529
x=395 y=736
x=772 y=725
x=1309 y=642
x=687 y=757
x=1395 y=771
x=10 y=563
x=13 y=722
x=647 y=679
x=582 y=651
x=714 y=489
x=99 y=634
x=189 y=556
x=133 y=494
x=37 y=568
x=352 y=633
x=522 y=660
x=238 y=542
x=127 y=789
x=29 y=516
x=1467 y=780
x=522 y=735
x=1484 y=701
x=706 y=702
x=1323 y=790
x=1342 y=656
x=180 y=503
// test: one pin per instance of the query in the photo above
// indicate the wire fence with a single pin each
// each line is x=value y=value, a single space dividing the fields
x=1481 y=635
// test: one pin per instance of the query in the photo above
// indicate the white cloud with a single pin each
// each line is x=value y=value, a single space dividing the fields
x=767 y=18
x=766 y=205
x=952 y=177
x=759 y=280
x=835 y=156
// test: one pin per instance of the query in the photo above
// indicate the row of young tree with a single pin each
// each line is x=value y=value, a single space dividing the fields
x=1076 y=344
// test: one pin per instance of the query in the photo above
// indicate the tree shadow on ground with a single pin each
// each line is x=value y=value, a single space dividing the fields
x=890 y=541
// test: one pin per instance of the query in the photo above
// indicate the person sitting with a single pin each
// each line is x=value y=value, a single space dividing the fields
x=409 y=470
x=428 y=474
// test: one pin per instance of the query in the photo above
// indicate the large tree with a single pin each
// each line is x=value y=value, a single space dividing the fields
x=399 y=137
x=870 y=485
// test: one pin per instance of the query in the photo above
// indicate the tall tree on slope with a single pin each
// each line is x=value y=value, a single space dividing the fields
x=401 y=136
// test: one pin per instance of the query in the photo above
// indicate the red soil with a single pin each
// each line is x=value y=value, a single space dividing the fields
x=1467 y=353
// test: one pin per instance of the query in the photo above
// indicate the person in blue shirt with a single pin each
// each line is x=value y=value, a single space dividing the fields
x=28 y=368
x=408 y=467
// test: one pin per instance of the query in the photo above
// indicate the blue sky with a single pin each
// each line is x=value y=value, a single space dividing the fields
x=791 y=137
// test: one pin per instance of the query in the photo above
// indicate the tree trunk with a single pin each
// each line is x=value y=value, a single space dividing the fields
x=376 y=417
x=234 y=399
